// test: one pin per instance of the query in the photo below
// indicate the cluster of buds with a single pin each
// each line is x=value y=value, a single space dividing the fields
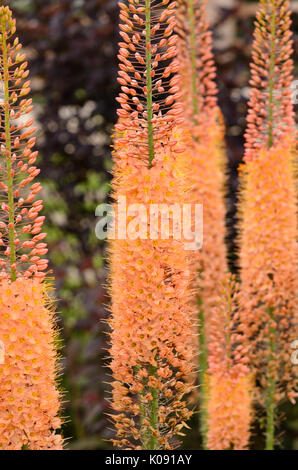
x=270 y=115
x=150 y=97
x=22 y=245
x=197 y=68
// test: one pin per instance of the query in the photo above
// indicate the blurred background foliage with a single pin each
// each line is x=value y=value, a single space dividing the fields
x=72 y=46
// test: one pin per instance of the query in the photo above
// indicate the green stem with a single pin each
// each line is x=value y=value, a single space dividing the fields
x=203 y=366
x=153 y=413
x=149 y=82
x=270 y=404
x=193 y=60
x=153 y=407
x=144 y=429
x=148 y=438
x=271 y=76
x=203 y=358
x=8 y=155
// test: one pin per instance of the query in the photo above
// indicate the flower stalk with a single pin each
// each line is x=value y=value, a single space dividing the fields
x=30 y=400
x=193 y=56
x=151 y=351
x=270 y=404
x=149 y=82
x=8 y=152
x=204 y=166
x=267 y=209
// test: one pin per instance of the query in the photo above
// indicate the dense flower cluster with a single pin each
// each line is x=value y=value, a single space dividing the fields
x=268 y=228
x=229 y=378
x=204 y=156
x=151 y=340
x=29 y=401
x=152 y=346
x=268 y=260
x=229 y=412
x=204 y=163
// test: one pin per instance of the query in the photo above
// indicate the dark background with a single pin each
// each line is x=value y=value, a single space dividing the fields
x=71 y=47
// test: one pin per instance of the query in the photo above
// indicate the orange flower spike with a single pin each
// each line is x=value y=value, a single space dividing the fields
x=152 y=332
x=151 y=322
x=268 y=231
x=147 y=28
x=29 y=400
x=204 y=162
x=229 y=412
x=268 y=260
x=270 y=114
x=19 y=210
x=197 y=66
x=229 y=380
x=205 y=150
